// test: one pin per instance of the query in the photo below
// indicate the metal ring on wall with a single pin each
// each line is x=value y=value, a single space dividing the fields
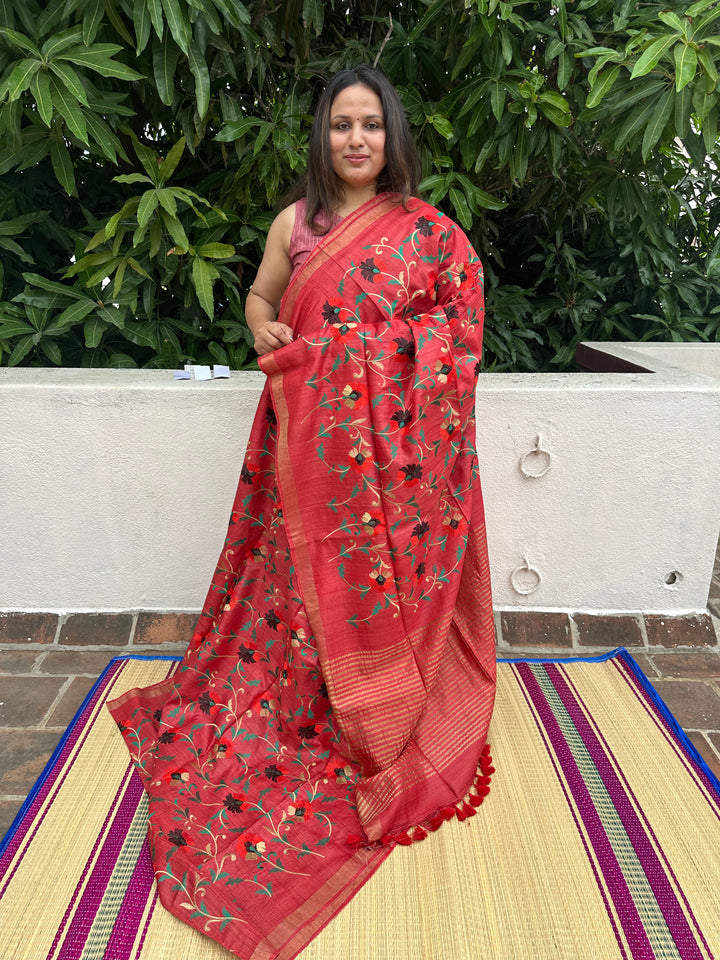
x=539 y=450
x=527 y=588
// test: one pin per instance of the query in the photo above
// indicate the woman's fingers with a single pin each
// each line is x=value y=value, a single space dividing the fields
x=271 y=336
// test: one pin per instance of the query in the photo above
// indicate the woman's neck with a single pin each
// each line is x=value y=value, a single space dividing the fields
x=352 y=199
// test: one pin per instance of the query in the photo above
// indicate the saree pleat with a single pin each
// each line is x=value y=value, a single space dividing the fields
x=339 y=686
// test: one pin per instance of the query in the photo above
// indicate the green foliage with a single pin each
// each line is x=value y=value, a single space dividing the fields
x=146 y=145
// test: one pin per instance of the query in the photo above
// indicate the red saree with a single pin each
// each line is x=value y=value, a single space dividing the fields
x=336 y=695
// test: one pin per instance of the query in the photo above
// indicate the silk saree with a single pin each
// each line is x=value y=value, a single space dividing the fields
x=335 y=697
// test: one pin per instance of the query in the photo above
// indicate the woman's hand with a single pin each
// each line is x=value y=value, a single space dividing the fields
x=271 y=335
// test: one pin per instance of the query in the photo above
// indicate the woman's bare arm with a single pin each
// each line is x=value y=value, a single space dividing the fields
x=270 y=284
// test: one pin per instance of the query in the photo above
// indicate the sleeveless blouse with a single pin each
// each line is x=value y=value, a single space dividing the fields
x=302 y=240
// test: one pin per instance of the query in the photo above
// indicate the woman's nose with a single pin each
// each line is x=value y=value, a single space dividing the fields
x=357 y=135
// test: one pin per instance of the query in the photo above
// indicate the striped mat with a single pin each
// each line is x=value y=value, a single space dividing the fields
x=600 y=839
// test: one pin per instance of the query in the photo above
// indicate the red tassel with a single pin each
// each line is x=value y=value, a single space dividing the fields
x=355 y=841
x=485 y=750
x=436 y=821
x=475 y=800
x=386 y=840
x=461 y=815
x=403 y=839
x=419 y=834
x=447 y=813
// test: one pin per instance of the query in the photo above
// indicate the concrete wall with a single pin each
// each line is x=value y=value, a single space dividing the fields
x=116 y=486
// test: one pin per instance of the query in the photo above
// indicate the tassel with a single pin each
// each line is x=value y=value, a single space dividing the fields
x=419 y=834
x=476 y=800
x=403 y=839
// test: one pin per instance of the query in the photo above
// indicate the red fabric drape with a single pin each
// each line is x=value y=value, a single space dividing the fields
x=337 y=692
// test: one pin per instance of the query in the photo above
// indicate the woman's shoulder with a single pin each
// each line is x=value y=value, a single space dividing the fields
x=281 y=229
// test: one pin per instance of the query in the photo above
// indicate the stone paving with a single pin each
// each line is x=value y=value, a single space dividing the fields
x=48 y=663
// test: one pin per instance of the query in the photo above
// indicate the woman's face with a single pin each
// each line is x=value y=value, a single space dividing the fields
x=357 y=136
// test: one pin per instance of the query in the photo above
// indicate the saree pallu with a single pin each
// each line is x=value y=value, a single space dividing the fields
x=336 y=695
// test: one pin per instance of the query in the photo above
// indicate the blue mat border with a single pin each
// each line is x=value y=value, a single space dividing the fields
x=618 y=652
x=624 y=654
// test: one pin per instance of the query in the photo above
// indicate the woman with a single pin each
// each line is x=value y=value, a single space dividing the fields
x=336 y=695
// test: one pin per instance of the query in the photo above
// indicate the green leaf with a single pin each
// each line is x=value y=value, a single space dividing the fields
x=601 y=86
x=68 y=109
x=51 y=351
x=497 y=99
x=62 y=165
x=462 y=209
x=199 y=70
x=52 y=286
x=442 y=125
x=179 y=27
x=634 y=123
x=565 y=65
x=71 y=80
x=156 y=15
x=22 y=349
x=175 y=229
x=216 y=251
x=709 y=131
x=555 y=108
x=202 y=281
x=169 y=164
x=685 y=64
x=237 y=128
x=660 y=116
x=40 y=89
x=14 y=328
x=708 y=65
x=96 y=58
x=94 y=13
x=146 y=208
x=19 y=80
x=142 y=24
x=683 y=102
x=75 y=312
x=673 y=20
x=20 y=41
x=148 y=158
x=165 y=57
x=155 y=237
x=103 y=136
x=61 y=41
x=94 y=330
x=651 y=56
x=167 y=200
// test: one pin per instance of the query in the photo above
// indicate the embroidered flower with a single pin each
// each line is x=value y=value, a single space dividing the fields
x=431 y=288
x=410 y=475
x=372 y=523
x=341 y=774
x=275 y=772
x=405 y=347
x=369 y=269
x=249 y=472
x=455 y=523
x=226 y=746
x=157 y=715
x=419 y=570
x=270 y=416
x=250 y=846
x=272 y=620
x=259 y=553
x=177 y=838
x=355 y=395
x=331 y=310
x=442 y=369
x=402 y=419
x=451 y=312
x=233 y=803
x=379 y=582
x=167 y=736
x=419 y=531
x=449 y=429
x=359 y=457
x=424 y=226
x=297 y=633
x=206 y=703
x=303 y=811
x=234 y=517
x=307 y=732
x=342 y=332
x=180 y=774
x=246 y=653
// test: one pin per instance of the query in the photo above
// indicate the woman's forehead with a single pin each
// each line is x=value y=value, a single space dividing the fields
x=357 y=100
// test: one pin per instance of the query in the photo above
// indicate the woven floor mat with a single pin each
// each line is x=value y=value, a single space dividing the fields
x=600 y=839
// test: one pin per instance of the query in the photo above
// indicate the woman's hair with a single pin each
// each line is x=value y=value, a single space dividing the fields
x=401 y=173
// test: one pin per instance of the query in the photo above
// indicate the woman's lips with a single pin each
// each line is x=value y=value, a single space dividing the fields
x=356 y=158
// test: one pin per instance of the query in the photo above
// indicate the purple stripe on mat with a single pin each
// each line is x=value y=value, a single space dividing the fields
x=633 y=927
x=671 y=731
x=653 y=869
x=53 y=776
x=139 y=890
x=563 y=786
x=120 y=818
x=637 y=808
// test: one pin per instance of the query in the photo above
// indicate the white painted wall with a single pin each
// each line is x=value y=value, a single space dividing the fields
x=116 y=486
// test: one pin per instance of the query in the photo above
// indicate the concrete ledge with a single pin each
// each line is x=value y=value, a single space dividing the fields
x=601 y=489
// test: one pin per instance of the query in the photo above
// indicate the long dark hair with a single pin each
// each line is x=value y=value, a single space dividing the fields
x=401 y=174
